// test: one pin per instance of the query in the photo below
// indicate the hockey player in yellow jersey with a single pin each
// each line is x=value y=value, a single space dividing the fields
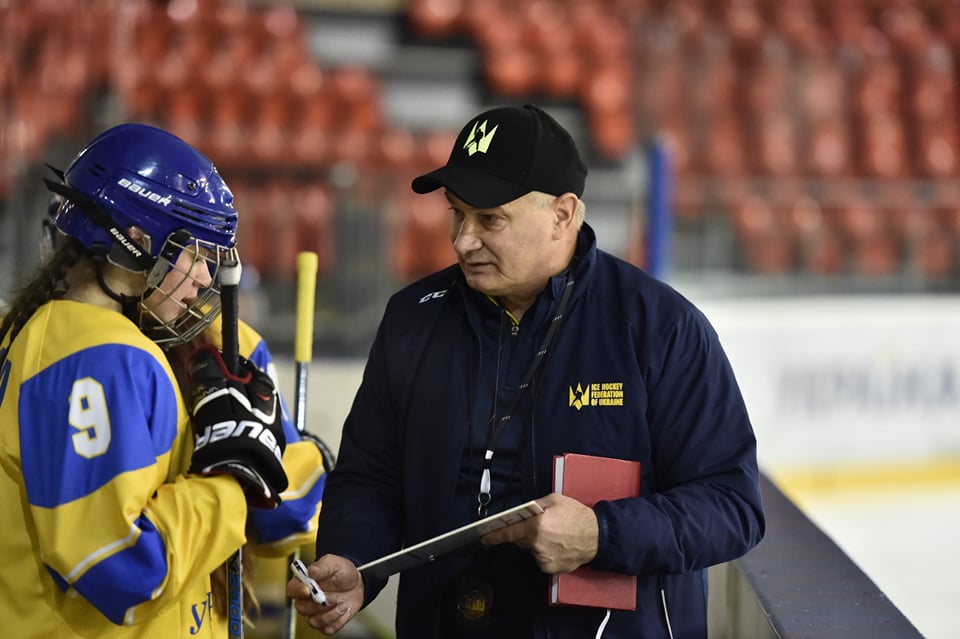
x=114 y=517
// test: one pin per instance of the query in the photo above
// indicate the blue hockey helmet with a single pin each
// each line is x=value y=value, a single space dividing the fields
x=136 y=175
x=142 y=176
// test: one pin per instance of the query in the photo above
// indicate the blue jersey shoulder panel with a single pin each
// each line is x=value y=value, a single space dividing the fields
x=107 y=410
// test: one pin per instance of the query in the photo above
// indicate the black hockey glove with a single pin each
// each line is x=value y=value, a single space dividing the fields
x=237 y=426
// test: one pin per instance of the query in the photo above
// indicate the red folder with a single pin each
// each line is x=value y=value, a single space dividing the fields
x=590 y=479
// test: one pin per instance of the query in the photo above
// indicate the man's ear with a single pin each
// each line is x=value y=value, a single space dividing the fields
x=565 y=212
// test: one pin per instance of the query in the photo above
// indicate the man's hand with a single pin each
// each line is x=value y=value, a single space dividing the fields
x=341 y=582
x=563 y=538
x=236 y=426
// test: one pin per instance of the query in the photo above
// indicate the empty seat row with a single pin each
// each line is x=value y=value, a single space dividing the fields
x=853 y=235
x=281 y=217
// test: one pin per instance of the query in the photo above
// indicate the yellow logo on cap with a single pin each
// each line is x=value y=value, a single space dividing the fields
x=472 y=145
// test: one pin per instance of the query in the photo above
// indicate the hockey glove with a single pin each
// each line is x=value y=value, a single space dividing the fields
x=237 y=426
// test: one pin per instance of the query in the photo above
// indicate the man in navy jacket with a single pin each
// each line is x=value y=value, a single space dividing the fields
x=482 y=372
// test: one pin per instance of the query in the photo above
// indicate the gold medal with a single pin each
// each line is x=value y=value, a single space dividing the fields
x=474 y=602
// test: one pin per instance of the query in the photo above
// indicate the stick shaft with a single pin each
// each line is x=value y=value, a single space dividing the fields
x=230 y=305
x=303 y=353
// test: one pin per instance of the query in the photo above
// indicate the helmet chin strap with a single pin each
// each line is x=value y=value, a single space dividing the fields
x=129 y=304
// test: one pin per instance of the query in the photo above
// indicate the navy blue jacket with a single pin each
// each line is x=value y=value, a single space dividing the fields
x=682 y=416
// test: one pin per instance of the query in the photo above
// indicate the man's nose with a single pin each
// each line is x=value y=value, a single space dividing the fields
x=465 y=237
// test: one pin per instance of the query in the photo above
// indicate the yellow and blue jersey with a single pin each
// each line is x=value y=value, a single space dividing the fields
x=294 y=522
x=105 y=535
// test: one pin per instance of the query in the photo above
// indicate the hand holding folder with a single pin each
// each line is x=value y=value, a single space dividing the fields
x=590 y=479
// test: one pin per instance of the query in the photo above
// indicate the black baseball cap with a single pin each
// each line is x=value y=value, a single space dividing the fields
x=507 y=152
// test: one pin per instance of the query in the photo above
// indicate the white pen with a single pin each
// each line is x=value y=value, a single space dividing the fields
x=300 y=571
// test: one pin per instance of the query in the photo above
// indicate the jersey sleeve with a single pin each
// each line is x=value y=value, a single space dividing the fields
x=294 y=522
x=115 y=520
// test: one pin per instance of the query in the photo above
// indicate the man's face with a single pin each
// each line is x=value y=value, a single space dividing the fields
x=508 y=251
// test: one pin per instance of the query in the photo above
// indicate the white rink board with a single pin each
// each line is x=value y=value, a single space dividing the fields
x=850 y=379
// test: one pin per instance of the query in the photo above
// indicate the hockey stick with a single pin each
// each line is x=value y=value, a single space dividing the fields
x=230 y=271
x=303 y=353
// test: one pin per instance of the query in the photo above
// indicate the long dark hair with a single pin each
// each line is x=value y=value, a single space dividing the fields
x=48 y=283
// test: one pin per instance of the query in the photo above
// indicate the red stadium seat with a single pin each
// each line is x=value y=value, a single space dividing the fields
x=715 y=85
x=435 y=18
x=356 y=91
x=937 y=153
x=395 y=149
x=796 y=22
x=613 y=133
x=821 y=250
x=828 y=148
x=931 y=94
x=493 y=24
x=608 y=88
x=433 y=149
x=768 y=86
x=724 y=146
x=847 y=21
x=184 y=115
x=547 y=27
x=314 y=214
x=822 y=89
x=906 y=26
x=777 y=144
x=306 y=80
x=229 y=132
x=603 y=36
x=420 y=234
x=276 y=227
x=270 y=132
x=743 y=22
x=764 y=242
x=511 y=70
x=688 y=20
x=353 y=146
x=561 y=73
x=883 y=153
x=879 y=85
x=253 y=226
x=669 y=74
x=314 y=125
x=874 y=245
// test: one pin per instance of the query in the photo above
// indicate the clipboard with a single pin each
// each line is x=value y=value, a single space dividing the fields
x=432 y=549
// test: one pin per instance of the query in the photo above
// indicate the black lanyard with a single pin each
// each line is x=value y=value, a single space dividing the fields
x=496 y=426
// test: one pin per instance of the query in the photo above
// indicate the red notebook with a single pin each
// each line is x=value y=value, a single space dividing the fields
x=590 y=479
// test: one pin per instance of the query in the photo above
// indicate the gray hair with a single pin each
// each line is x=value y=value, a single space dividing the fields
x=539 y=198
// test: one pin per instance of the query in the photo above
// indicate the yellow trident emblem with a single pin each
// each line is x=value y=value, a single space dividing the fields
x=579 y=398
